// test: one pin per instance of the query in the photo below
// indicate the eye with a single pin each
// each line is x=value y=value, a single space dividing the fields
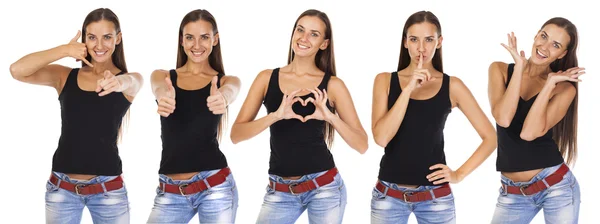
x=299 y=29
x=556 y=46
x=204 y=37
x=188 y=37
x=314 y=34
x=412 y=39
x=544 y=36
x=429 y=39
x=91 y=37
x=107 y=37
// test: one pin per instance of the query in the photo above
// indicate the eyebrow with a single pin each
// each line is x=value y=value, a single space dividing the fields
x=556 y=42
x=316 y=31
x=204 y=34
x=425 y=37
x=91 y=34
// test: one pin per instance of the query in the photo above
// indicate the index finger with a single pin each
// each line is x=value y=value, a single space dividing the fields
x=420 y=61
x=437 y=166
x=87 y=62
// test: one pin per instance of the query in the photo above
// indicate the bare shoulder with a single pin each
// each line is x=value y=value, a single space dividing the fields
x=160 y=73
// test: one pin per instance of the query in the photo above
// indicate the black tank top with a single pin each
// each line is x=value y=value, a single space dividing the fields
x=90 y=127
x=516 y=154
x=419 y=142
x=297 y=148
x=189 y=134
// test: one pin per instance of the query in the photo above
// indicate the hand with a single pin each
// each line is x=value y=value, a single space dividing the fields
x=285 y=108
x=420 y=76
x=166 y=103
x=444 y=175
x=110 y=83
x=571 y=75
x=320 y=102
x=216 y=101
x=77 y=50
x=520 y=59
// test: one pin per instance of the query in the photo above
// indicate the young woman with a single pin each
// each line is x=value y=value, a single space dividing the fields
x=534 y=102
x=86 y=166
x=410 y=108
x=302 y=99
x=194 y=176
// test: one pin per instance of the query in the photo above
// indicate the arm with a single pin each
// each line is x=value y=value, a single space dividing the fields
x=468 y=105
x=504 y=101
x=220 y=98
x=347 y=124
x=133 y=84
x=230 y=88
x=547 y=110
x=384 y=123
x=245 y=127
x=34 y=68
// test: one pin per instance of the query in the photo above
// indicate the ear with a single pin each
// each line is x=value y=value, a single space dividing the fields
x=405 y=43
x=118 y=38
x=563 y=54
x=216 y=40
x=439 y=42
x=324 y=45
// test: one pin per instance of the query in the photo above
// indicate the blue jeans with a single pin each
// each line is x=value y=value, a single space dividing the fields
x=65 y=207
x=218 y=204
x=560 y=202
x=386 y=209
x=325 y=204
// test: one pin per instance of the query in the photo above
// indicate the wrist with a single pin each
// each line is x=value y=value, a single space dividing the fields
x=62 y=50
x=274 y=117
x=125 y=82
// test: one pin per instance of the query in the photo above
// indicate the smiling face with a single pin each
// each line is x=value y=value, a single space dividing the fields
x=198 y=40
x=309 y=36
x=101 y=38
x=422 y=39
x=550 y=44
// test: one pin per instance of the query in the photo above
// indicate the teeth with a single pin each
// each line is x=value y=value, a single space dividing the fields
x=540 y=53
x=302 y=46
x=197 y=53
x=100 y=53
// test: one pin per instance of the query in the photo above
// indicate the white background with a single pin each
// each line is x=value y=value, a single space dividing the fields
x=255 y=36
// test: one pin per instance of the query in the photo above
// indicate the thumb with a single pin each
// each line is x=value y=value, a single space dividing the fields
x=170 y=89
x=76 y=36
x=107 y=74
x=213 y=88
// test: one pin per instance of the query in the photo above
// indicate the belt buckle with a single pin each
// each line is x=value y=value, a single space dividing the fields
x=77 y=186
x=290 y=187
x=181 y=189
x=406 y=195
x=522 y=189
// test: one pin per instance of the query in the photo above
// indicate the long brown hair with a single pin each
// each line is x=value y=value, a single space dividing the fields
x=416 y=18
x=215 y=60
x=565 y=131
x=325 y=59
x=118 y=56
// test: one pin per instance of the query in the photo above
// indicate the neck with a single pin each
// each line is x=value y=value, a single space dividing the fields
x=202 y=67
x=100 y=67
x=302 y=65
x=536 y=70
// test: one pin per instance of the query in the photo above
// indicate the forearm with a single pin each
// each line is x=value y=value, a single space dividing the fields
x=246 y=130
x=33 y=62
x=485 y=149
x=505 y=108
x=133 y=83
x=535 y=122
x=355 y=138
x=229 y=93
x=386 y=127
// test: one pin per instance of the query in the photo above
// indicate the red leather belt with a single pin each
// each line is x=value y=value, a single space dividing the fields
x=82 y=189
x=539 y=185
x=198 y=186
x=305 y=186
x=414 y=196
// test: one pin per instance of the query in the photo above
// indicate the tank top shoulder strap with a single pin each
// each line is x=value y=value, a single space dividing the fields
x=324 y=83
x=219 y=77
x=445 y=89
x=71 y=79
x=509 y=73
x=173 y=76
x=395 y=88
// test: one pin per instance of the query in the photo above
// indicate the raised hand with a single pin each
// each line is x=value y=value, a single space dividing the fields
x=216 y=101
x=420 y=76
x=285 y=108
x=111 y=83
x=519 y=58
x=166 y=102
x=77 y=50
x=320 y=102
x=571 y=75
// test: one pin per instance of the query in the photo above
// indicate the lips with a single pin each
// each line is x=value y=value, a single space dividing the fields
x=100 y=53
x=540 y=54
x=197 y=53
x=302 y=46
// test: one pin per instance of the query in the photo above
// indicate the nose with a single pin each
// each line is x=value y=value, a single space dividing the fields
x=421 y=47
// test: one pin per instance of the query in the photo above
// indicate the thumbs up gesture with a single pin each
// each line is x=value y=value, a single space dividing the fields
x=216 y=101
x=110 y=83
x=166 y=103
